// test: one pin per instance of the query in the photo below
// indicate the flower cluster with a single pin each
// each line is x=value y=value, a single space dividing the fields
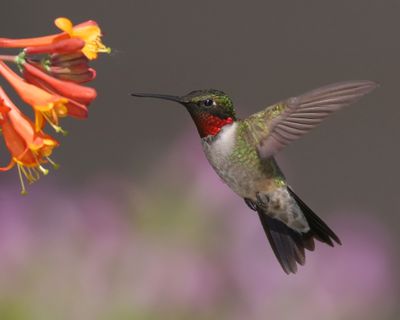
x=53 y=69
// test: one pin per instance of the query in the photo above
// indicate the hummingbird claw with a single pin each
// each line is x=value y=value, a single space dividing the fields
x=262 y=200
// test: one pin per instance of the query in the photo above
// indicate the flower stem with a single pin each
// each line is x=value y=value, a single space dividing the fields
x=10 y=58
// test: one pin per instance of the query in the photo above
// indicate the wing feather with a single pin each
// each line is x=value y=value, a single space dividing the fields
x=298 y=115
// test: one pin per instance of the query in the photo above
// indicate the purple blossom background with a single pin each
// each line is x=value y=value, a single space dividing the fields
x=182 y=245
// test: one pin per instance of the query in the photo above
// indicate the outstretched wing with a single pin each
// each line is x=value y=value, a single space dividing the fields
x=288 y=120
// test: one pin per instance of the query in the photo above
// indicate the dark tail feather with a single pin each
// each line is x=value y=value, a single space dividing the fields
x=289 y=245
x=319 y=229
x=286 y=243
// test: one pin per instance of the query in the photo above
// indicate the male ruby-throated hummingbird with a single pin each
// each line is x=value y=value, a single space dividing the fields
x=242 y=154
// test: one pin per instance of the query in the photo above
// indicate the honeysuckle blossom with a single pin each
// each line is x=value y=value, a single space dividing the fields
x=53 y=68
x=29 y=148
x=73 y=66
x=73 y=108
x=88 y=31
x=62 y=46
x=67 y=89
x=48 y=107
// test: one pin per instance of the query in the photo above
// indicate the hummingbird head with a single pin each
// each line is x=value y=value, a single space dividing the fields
x=210 y=109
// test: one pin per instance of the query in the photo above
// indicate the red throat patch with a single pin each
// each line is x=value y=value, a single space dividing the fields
x=208 y=124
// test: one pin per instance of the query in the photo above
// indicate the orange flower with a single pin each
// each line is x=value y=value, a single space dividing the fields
x=74 y=108
x=47 y=106
x=29 y=149
x=70 y=90
x=32 y=42
x=88 y=31
x=62 y=46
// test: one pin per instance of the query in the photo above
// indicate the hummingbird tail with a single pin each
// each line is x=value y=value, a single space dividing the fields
x=288 y=244
x=318 y=228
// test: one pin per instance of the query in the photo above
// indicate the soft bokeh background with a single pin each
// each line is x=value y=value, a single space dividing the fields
x=135 y=225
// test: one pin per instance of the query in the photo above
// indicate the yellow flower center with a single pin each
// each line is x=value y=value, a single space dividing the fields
x=31 y=172
x=90 y=33
x=51 y=112
x=44 y=148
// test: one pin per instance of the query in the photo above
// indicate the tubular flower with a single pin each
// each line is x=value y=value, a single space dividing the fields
x=72 y=67
x=74 y=108
x=48 y=107
x=29 y=149
x=32 y=42
x=89 y=32
x=62 y=46
x=70 y=90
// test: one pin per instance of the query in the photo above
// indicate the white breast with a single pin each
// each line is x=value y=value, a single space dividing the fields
x=225 y=140
x=218 y=152
x=219 y=149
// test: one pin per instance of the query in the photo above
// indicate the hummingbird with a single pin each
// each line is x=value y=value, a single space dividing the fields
x=242 y=153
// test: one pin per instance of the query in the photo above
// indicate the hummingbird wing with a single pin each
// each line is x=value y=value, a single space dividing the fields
x=290 y=119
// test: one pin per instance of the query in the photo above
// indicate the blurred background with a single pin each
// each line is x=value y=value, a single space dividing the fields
x=136 y=225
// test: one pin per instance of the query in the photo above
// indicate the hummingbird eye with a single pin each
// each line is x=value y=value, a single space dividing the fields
x=208 y=102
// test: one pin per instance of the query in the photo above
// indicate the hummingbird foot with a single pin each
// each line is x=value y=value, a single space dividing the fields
x=263 y=200
x=280 y=205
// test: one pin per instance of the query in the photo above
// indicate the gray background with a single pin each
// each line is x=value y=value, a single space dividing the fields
x=258 y=52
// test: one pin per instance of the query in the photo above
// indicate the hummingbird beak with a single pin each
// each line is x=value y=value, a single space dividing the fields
x=158 y=96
